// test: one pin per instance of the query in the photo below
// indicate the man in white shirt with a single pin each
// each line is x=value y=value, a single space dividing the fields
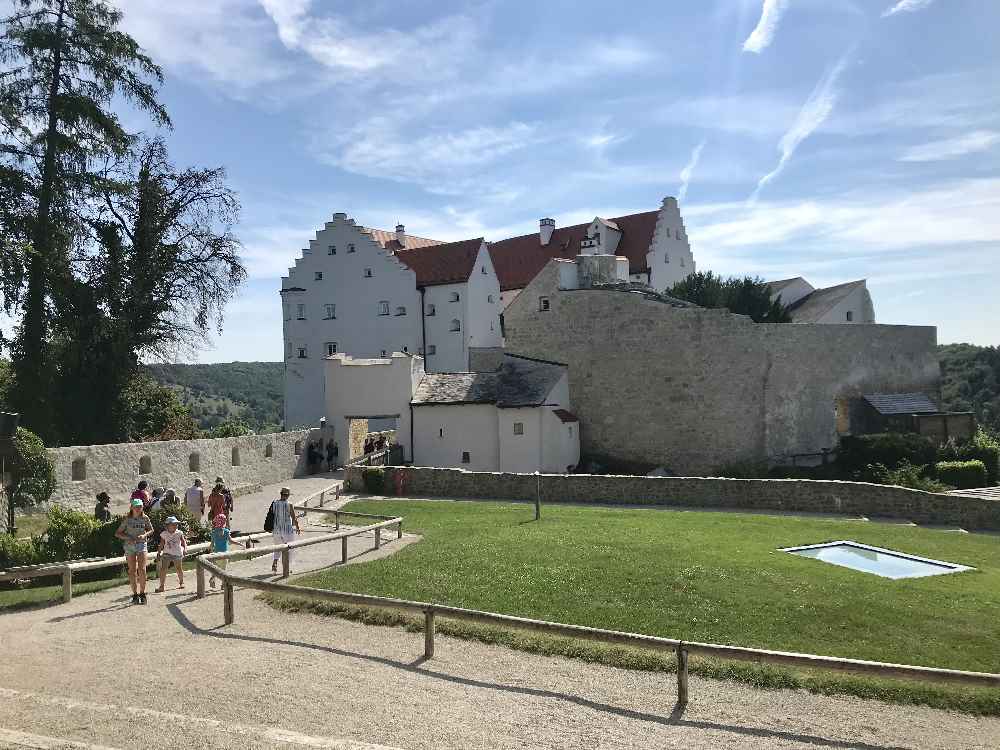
x=194 y=498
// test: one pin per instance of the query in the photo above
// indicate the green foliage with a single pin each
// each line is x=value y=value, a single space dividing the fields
x=374 y=480
x=194 y=530
x=252 y=392
x=904 y=474
x=983 y=447
x=70 y=533
x=17 y=551
x=743 y=296
x=963 y=475
x=890 y=449
x=31 y=469
x=231 y=428
x=970 y=381
x=155 y=412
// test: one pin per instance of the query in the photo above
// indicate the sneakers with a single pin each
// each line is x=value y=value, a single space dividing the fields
x=135 y=598
x=142 y=598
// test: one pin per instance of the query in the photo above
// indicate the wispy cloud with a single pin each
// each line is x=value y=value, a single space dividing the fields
x=906 y=6
x=689 y=170
x=952 y=148
x=814 y=112
x=763 y=34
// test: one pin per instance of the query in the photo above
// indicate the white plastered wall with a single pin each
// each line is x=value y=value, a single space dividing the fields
x=441 y=432
x=858 y=302
x=669 y=258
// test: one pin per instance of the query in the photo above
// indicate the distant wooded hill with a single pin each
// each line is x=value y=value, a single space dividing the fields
x=971 y=381
x=252 y=392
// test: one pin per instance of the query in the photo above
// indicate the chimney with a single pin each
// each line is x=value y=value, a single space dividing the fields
x=401 y=235
x=545 y=229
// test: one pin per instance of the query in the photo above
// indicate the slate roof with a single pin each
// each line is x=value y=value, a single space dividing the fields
x=777 y=286
x=901 y=403
x=520 y=381
x=445 y=263
x=816 y=304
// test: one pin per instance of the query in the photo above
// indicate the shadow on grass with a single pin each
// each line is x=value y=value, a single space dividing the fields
x=675 y=718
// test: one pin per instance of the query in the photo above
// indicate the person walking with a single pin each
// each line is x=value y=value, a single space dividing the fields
x=102 y=511
x=155 y=500
x=172 y=551
x=217 y=502
x=221 y=537
x=226 y=493
x=133 y=531
x=286 y=526
x=331 y=455
x=194 y=498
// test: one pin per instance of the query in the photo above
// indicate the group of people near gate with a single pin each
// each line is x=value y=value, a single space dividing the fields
x=136 y=529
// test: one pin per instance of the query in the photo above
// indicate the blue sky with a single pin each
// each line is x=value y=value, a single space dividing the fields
x=834 y=140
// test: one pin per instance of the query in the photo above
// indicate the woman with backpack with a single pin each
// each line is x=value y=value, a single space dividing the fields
x=134 y=530
x=284 y=525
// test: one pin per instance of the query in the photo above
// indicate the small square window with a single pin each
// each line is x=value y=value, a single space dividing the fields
x=302 y=353
x=543 y=304
x=466 y=458
x=489 y=298
x=453 y=297
x=331 y=311
x=350 y=248
x=431 y=310
x=384 y=353
x=484 y=270
x=432 y=349
x=666 y=257
x=518 y=428
x=400 y=311
x=332 y=250
x=441 y=432
x=383 y=307
x=331 y=348
x=301 y=312
x=456 y=325
x=850 y=315
x=319 y=276
x=368 y=273
x=491 y=325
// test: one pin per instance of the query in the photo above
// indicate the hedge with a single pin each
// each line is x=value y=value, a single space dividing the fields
x=962 y=475
x=891 y=449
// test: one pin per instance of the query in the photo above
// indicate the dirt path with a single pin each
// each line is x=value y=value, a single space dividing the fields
x=102 y=674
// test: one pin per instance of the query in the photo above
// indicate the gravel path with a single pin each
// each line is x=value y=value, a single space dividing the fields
x=102 y=674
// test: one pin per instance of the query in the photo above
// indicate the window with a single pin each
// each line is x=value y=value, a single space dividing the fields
x=269 y=451
x=319 y=276
x=431 y=310
x=484 y=270
x=850 y=315
x=432 y=349
x=441 y=432
x=666 y=257
x=331 y=348
x=303 y=354
x=236 y=455
x=287 y=310
x=491 y=325
x=489 y=298
x=518 y=428
x=332 y=250
x=300 y=312
x=350 y=248
x=383 y=307
x=456 y=325
x=668 y=232
x=330 y=312
x=406 y=350
x=79 y=469
x=466 y=458
x=145 y=465
x=194 y=462
x=543 y=304
x=368 y=273
x=400 y=310
x=384 y=353
x=453 y=297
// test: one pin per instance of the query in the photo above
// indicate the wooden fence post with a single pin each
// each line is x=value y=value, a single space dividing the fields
x=286 y=559
x=201 y=581
x=322 y=498
x=67 y=580
x=399 y=530
x=538 y=496
x=428 y=633
x=336 y=520
x=682 y=675
x=228 y=615
x=343 y=550
x=378 y=537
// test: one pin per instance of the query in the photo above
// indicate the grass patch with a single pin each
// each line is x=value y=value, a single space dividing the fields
x=700 y=576
x=31 y=524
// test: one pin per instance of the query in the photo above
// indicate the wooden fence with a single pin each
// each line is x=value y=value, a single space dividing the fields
x=682 y=649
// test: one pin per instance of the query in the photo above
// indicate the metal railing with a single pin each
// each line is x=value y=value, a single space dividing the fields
x=66 y=569
x=430 y=611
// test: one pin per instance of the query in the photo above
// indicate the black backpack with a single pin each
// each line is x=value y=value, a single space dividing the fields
x=269 y=519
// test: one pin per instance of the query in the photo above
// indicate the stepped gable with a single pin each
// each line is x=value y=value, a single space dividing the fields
x=444 y=263
x=519 y=259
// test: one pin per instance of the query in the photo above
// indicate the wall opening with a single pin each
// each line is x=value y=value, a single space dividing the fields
x=236 y=455
x=145 y=465
x=269 y=451
x=79 y=469
x=298 y=447
x=194 y=462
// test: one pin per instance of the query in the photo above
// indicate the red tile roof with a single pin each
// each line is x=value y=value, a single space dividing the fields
x=518 y=260
x=447 y=263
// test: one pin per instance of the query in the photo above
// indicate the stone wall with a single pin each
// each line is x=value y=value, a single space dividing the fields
x=691 y=389
x=84 y=470
x=799 y=495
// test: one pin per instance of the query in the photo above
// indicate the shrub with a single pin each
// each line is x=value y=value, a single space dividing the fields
x=70 y=535
x=904 y=475
x=31 y=469
x=374 y=480
x=194 y=530
x=16 y=551
x=890 y=449
x=962 y=474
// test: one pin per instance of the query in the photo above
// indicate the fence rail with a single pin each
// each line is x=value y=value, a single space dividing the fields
x=66 y=569
x=430 y=611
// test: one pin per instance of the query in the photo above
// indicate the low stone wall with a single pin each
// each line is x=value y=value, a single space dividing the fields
x=244 y=462
x=800 y=495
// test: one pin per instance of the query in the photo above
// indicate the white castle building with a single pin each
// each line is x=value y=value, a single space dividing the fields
x=369 y=292
x=849 y=303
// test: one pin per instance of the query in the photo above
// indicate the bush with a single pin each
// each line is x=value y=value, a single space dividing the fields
x=963 y=475
x=984 y=447
x=193 y=529
x=71 y=535
x=904 y=475
x=16 y=551
x=374 y=480
x=31 y=469
x=890 y=449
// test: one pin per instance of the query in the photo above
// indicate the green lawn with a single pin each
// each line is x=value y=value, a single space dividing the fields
x=702 y=576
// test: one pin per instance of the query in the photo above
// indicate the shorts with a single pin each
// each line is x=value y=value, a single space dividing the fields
x=168 y=558
x=134 y=548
